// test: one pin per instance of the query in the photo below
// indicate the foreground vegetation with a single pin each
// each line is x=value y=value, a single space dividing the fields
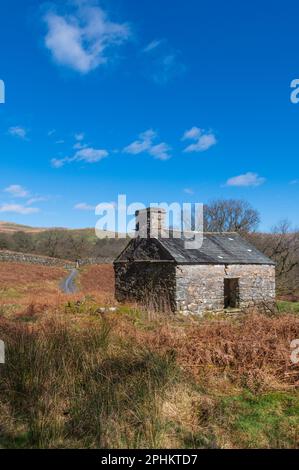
x=75 y=377
x=26 y=288
x=286 y=306
x=79 y=376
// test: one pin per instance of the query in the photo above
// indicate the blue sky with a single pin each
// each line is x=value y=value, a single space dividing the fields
x=162 y=101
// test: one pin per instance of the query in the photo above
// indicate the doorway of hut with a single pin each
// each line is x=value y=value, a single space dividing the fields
x=231 y=293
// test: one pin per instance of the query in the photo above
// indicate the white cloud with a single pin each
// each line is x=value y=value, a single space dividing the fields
x=166 y=68
x=204 y=143
x=18 y=209
x=82 y=39
x=153 y=45
x=17 y=190
x=88 y=155
x=82 y=206
x=188 y=191
x=145 y=144
x=80 y=136
x=294 y=182
x=18 y=131
x=36 y=199
x=248 y=179
x=58 y=163
x=203 y=140
x=161 y=62
x=79 y=146
x=160 y=151
x=193 y=133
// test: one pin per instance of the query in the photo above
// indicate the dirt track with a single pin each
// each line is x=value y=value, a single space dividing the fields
x=68 y=286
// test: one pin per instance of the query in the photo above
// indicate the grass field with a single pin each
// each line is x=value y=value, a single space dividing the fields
x=285 y=306
x=76 y=377
x=34 y=287
x=97 y=278
x=23 y=285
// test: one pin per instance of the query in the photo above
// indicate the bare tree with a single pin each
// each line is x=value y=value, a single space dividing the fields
x=75 y=246
x=5 y=242
x=230 y=215
x=22 y=242
x=282 y=246
x=49 y=243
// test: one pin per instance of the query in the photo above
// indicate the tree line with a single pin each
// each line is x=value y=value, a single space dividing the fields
x=61 y=244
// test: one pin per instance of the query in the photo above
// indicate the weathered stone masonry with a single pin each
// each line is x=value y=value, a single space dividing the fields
x=15 y=257
x=193 y=289
x=150 y=283
x=226 y=272
x=200 y=288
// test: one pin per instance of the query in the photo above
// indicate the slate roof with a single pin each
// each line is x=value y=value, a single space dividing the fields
x=217 y=248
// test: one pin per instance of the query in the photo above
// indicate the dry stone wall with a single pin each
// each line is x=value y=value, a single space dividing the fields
x=15 y=257
x=98 y=260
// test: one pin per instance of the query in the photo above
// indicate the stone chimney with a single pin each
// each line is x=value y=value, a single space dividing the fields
x=150 y=222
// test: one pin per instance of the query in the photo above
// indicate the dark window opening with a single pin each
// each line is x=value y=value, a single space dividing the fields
x=231 y=293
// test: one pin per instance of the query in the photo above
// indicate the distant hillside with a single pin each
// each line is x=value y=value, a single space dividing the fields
x=57 y=242
x=10 y=227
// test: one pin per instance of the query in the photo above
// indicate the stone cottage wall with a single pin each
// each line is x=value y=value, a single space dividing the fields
x=148 y=283
x=200 y=288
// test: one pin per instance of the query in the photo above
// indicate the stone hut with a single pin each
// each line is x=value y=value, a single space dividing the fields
x=225 y=273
